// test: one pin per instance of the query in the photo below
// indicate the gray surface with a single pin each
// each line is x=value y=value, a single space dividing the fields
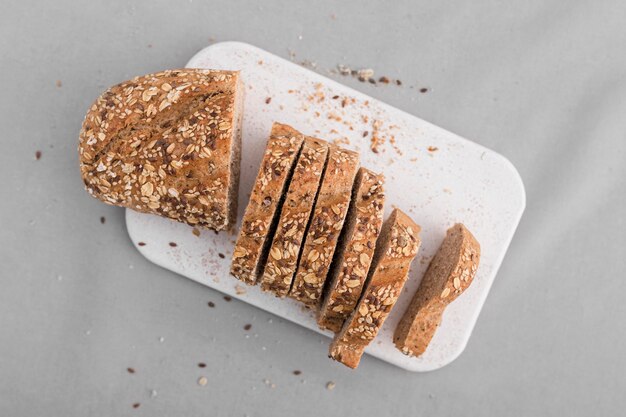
x=542 y=82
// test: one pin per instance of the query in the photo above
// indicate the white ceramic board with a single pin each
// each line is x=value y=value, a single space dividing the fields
x=460 y=181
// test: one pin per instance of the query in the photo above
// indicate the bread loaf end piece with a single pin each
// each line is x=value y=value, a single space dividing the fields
x=285 y=249
x=266 y=200
x=449 y=274
x=169 y=144
x=355 y=251
x=325 y=226
x=395 y=250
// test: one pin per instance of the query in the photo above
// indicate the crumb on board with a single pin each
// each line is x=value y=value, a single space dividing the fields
x=330 y=385
x=202 y=381
x=433 y=149
x=58 y=83
x=195 y=231
x=240 y=290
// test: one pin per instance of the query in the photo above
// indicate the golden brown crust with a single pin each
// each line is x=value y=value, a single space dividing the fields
x=264 y=206
x=397 y=246
x=449 y=274
x=294 y=217
x=326 y=223
x=347 y=276
x=168 y=144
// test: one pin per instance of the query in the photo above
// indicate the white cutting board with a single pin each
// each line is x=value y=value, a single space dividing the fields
x=459 y=182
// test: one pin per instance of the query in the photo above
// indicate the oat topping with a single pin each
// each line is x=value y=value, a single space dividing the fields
x=143 y=141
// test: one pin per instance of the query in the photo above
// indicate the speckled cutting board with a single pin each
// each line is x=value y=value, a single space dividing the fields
x=437 y=177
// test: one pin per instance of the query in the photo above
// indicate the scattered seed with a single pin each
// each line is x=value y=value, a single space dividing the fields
x=103 y=220
x=296 y=372
x=141 y=243
x=130 y=370
x=423 y=90
x=202 y=365
x=221 y=255
x=330 y=385
x=398 y=82
x=37 y=155
x=433 y=149
x=59 y=83
x=195 y=231
x=173 y=244
x=228 y=298
x=247 y=327
x=383 y=80
x=268 y=100
x=211 y=304
x=136 y=405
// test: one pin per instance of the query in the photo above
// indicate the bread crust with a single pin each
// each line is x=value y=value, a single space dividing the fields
x=449 y=274
x=282 y=259
x=264 y=206
x=397 y=246
x=325 y=226
x=167 y=143
x=349 y=271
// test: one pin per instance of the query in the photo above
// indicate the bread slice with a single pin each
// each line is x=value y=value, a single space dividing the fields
x=355 y=251
x=325 y=227
x=168 y=144
x=395 y=250
x=449 y=274
x=261 y=215
x=284 y=252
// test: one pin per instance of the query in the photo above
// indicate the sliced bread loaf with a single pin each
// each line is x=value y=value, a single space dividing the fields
x=169 y=144
x=395 y=250
x=266 y=199
x=449 y=274
x=354 y=254
x=284 y=252
x=325 y=227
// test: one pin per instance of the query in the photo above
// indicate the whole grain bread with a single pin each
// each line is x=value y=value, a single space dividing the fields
x=325 y=226
x=395 y=250
x=355 y=251
x=284 y=252
x=451 y=272
x=169 y=144
x=261 y=215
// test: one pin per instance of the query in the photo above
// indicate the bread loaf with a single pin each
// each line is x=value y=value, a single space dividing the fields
x=325 y=226
x=396 y=247
x=449 y=274
x=261 y=215
x=355 y=251
x=169 y=144
x=294 y=217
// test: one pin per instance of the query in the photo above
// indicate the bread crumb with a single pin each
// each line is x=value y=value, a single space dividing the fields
x=196 y=231
x=202 y=381
x=330 y=385
x=59 y=84
x=433 y=149
x=239 y=290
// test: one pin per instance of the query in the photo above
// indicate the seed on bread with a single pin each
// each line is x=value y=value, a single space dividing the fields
x=388 y=273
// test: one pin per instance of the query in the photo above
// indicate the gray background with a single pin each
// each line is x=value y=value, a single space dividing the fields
x=542 y=82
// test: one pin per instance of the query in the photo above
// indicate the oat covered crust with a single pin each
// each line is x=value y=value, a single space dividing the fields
x=390 y=268
x=347 y=276
x=168 y=144
x=265 y=203
x=326 y=224
x=282 y=260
